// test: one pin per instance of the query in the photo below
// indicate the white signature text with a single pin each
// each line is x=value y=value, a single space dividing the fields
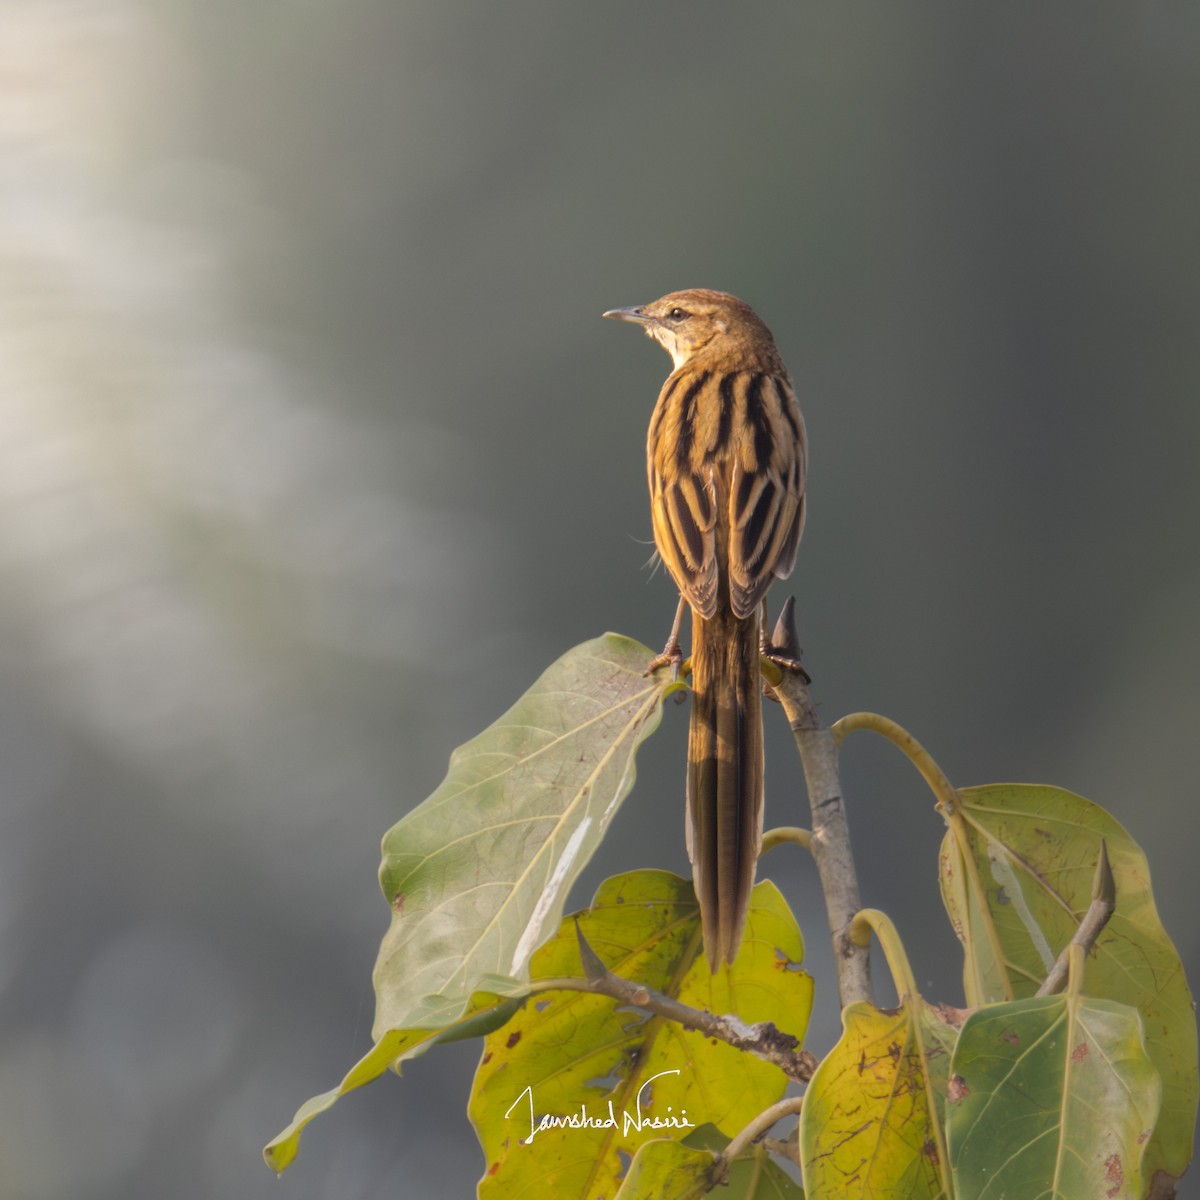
x=635 y=1121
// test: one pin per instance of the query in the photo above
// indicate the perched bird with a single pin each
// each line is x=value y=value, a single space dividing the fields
x=726 y=462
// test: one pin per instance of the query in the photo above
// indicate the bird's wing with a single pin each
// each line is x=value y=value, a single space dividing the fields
x=766 y=495
x=683 y=510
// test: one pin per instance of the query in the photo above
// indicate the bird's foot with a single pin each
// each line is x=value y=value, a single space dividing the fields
x=671 y=656
x=785 y=662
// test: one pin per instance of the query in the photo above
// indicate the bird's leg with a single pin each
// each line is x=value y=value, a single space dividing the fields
x=671 y=654
x=783 y=648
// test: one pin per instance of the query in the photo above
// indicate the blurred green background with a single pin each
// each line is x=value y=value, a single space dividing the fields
x=316 y=452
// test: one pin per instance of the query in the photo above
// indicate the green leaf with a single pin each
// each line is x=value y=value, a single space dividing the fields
x=570 y=1089
x=869 y=1125
x=476 y=876
x=391 y=1048
x=668 y=1170
x=756 y=1177
x=1016 y=875
x=1052 y=1097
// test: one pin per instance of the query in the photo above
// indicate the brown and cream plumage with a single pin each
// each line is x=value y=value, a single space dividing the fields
x=726 y=458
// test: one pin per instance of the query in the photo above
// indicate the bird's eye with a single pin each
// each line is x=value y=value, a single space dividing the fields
x=678 y=314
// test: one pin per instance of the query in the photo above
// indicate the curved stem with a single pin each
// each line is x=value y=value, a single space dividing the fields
x=920 y=758
x=759 y=1125
x=783 y=834
x=872 y=921
x=868 y=921
x=948 y=804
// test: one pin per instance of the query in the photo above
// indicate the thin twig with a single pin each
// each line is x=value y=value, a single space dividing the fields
x=1102 y=907
x=830 y=832
x=765 y=1039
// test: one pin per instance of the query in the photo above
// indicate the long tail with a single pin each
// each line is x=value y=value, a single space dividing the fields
x=725 y=776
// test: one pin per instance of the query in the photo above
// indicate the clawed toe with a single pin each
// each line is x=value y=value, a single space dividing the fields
x=671 y=656
x=785 y=662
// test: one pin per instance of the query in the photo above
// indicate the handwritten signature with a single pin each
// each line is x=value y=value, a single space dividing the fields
x=634 y=1121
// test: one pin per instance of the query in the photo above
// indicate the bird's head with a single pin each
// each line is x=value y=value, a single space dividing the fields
x=702 y=324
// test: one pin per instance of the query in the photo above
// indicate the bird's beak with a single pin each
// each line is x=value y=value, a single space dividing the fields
x=637 y=315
